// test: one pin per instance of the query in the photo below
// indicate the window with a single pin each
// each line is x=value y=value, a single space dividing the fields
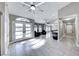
x=47 y=28
x=22 y=19
x=18 y=33
x=28 y=25
x=18 y=37
x=18 y=30
x=35 y=28
x=28 y=30
x=40 y=28
x=18 y=25
x=22 y=28
x=29 y=35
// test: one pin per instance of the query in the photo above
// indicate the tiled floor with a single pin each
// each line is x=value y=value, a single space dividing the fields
x=45 y=46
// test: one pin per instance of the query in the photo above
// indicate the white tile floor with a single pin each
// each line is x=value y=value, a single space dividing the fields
x=45 y=46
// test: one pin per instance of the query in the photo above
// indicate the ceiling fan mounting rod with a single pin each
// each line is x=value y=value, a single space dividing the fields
x=33 y=5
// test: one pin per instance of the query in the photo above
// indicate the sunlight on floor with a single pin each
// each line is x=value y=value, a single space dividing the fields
x=34 y=43
x=38 y=45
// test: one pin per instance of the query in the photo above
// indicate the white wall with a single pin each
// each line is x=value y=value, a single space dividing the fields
x=2 y=10
x=4 y=28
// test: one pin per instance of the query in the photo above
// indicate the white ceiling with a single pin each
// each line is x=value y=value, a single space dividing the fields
x=50 y=10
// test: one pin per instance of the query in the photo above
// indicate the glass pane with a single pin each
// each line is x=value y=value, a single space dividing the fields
x=47 y=28
x=35 y=28
x=19 y=19
x=28 y=28
x=18 y=24
x=22 y=19
x=19 y=29
x=27 y=32
x=26 y=20
x=28 y=25
x=40 y=29
x=29 y=35
x=18 y=37
x=18 y=33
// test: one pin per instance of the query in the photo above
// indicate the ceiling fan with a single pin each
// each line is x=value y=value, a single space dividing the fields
x=33 y=6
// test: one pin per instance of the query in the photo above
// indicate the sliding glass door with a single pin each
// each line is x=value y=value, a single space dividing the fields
x=18 y=30
x=21 y=30
x=27 y=31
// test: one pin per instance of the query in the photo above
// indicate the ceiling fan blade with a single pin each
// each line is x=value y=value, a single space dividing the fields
x=39 y=4
x=40 y=10
x=28 y=10
x=25 y=4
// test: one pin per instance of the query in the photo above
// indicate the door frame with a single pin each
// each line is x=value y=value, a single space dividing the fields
x=13 y=29
x=76 y=26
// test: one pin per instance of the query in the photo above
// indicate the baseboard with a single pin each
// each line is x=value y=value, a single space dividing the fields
x=20 y=40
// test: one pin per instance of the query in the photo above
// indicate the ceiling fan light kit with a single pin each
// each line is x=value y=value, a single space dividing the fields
x=32 y=7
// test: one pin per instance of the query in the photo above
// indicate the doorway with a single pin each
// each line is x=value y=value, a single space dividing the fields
x=68 y=28
x=21 y=30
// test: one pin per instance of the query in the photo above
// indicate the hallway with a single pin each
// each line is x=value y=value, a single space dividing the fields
x=48 y=47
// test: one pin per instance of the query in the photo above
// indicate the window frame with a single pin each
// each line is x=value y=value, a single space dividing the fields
x=14 y=29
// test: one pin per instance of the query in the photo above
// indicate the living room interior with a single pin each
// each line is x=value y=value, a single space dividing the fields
x=39 y=29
